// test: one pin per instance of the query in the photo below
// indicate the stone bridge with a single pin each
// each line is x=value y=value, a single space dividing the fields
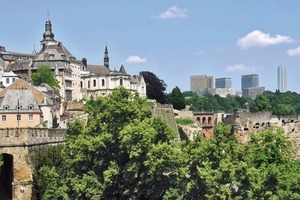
x=16 y=171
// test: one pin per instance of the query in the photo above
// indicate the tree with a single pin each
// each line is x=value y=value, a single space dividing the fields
x=262 y=103
x=155 y=87
x=45 y=75
x=120 y=153
x=176 y=98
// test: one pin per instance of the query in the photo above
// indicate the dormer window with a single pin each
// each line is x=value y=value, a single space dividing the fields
x=18 y=107
x=5 y=107
x=30 y=107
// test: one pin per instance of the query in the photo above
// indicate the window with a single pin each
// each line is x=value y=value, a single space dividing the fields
x=81 y=84
x=18 y=117
x=4 y=118
x=94 y=83
x=121 y=81
x=5 y=107
x=7 y=80
x=13 y=80
x=30 y=117
x=103 y=82
x=30 y=107
x=88 y=84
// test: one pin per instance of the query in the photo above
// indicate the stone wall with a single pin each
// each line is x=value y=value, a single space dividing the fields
x=18 y=142
x=166 y=112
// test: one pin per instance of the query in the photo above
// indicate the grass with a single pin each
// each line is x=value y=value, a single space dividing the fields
x=184 y=121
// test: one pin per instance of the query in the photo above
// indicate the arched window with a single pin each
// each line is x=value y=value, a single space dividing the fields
x=209 y=120
x=203 y=120
x=103 y=82
x=121 y=81
x=81 y=84
x=94 y=83
x=198 y=119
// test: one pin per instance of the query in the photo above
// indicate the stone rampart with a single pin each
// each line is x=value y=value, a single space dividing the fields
x=16 y=142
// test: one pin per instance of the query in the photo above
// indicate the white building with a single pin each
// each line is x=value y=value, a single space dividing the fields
x=8 y=78
x=77 y=78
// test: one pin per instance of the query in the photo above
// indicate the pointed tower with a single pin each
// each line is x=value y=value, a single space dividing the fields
x=48 y=36
x=106 y=58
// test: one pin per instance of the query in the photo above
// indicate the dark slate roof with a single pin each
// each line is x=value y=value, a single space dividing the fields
x=22 y=98
x=55 y=52
x=18 y=65
x=122 y=69
x=98 y=69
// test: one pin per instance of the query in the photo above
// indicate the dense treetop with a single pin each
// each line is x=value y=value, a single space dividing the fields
x=122 y=152
x=155 y=87
x=44 y=75
x=278 y=103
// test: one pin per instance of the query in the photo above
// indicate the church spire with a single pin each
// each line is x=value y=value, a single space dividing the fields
x=48 y=36
x=106 y=58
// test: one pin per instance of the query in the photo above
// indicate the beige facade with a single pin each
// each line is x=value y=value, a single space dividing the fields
x=47 y=104
x=25 y=120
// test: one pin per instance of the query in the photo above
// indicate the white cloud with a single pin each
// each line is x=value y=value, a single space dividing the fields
x=240 y=68
x=294 y=52
x=173 y=12
x=261 y=39
x=136 y=59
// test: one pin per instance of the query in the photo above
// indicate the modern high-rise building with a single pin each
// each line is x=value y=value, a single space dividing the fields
x=281 y=78
x=249 y=81
x=223 y=82
x=201 y=82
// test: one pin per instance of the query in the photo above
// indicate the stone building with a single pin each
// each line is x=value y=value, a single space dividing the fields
x=40 y=102
x=77 y=78
x=206 y=120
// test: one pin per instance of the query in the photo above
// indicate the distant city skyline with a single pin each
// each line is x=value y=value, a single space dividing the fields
x=173 y=39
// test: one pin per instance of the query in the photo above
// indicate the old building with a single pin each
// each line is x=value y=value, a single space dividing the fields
x=77 y=78
x=45 y=104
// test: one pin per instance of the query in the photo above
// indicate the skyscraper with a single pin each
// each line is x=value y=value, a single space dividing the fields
x=281 y=78
x=249 y=81
x=201 y=82
x=223 y=82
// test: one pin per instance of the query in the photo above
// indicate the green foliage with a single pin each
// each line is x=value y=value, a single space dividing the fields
x=176 y=98
x=261 y=103
x=122 y=152
x=47 y=163
x=284 y=103
x=210 y=102
x=278 y=103
x=55 y=121
x=45 y=75
x=184 y=121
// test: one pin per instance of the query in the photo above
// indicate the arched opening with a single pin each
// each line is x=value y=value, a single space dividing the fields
x=209 y=120
x=204 y=120
x=6 y=176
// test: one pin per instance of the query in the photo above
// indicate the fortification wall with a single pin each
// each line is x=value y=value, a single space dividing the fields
x=166 y=113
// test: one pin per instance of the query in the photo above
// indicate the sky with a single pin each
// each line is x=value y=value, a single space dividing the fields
x=173 y=39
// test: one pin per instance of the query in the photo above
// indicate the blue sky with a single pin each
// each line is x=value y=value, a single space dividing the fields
x=173 y=39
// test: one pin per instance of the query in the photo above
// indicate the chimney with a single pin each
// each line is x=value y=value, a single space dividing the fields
x=84 y=62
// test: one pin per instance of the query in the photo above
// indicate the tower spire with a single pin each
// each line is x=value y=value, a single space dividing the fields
x=106 y=58
x=48 y=36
